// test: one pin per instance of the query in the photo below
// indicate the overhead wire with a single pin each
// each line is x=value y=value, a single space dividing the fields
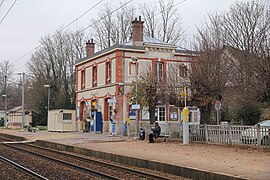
x=88 y=25
x=8 y=11
x=58 y=31
x=94 y=24
x=77 y=32
x=81 y=15
x=1 y=3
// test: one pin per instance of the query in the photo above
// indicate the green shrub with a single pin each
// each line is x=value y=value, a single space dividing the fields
x=2 y=122
x=250 y=114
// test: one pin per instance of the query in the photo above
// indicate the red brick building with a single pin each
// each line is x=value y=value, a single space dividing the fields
x=109 y=73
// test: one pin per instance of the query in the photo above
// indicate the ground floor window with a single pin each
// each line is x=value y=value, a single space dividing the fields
x=161 y=113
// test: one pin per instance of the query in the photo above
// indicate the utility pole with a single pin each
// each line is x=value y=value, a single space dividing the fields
x=137 y=121
x=135 y=61
x=5 y=121
x=23 y=92
x=48 y=106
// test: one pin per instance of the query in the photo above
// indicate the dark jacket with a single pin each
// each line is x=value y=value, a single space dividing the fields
x=156 y=130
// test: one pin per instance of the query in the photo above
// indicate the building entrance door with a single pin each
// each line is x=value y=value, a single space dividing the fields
x=161 y=117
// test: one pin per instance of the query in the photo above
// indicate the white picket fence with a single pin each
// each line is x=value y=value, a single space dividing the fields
x=220 y=134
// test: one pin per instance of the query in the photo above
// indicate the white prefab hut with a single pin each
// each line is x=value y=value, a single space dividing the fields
x=15 y=117
x=62 y=120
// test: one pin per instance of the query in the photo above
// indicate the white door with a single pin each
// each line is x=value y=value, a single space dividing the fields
x=161 y=118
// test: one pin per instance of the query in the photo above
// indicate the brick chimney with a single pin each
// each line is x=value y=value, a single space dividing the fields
x=90 y=47
x=137 y=32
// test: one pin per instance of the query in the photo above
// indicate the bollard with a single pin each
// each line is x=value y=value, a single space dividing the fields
x=113 y=129
x=185 y=126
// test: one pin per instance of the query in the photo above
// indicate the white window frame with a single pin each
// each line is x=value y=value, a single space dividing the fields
x=159 y=70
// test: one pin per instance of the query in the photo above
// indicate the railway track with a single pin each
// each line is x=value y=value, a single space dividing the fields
x=3 y=139
x=25 y=171
x=47 y=167
x=103 y=169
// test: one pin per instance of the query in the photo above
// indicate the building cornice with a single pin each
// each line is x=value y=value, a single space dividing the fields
x=110 y=50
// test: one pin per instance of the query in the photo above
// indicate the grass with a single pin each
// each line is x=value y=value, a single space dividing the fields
x=25 y=129
x=42 y=127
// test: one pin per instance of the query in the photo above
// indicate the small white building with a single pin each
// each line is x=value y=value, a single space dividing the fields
x=15 y=117
x=62 y=120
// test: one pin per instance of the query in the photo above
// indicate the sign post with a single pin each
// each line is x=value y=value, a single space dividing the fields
x=217 y=107
x=112 y=103
x=185 y=118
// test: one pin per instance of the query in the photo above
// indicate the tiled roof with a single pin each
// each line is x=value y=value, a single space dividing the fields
x=15 y=109
x=150 y=40
x=129 y=45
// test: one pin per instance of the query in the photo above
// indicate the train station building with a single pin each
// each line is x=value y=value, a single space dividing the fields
x=104 y=79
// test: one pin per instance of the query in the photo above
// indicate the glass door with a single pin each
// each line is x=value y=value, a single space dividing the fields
x=161 y=118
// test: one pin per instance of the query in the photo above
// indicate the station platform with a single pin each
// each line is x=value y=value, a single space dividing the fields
x=234 y=162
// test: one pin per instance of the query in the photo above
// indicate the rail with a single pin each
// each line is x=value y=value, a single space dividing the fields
x=96 y=173
x=116 y=167
x=22 y=168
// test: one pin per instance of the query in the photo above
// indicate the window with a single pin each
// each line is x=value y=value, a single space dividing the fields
x=159 y=70
x=108 y=73
x=83 y=79
x=183 y=71
x=133 y=68
x=94 y=82
x=161 y=113
x=67 y=116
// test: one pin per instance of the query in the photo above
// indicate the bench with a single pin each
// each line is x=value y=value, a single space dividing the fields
x=163 y=137
x=32 y=129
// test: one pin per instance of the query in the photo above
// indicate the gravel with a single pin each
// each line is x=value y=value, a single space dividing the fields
x=44 y=167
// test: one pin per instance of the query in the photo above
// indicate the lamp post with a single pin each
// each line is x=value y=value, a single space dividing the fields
x=48 y=106
x=135 y=60
x=23 y=92
x=5 y=121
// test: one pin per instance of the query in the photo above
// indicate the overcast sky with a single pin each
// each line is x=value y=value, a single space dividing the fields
x=29 y=20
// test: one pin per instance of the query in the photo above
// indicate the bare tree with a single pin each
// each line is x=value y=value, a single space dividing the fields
x=152 y=91
x=113 y=28
x=123 y=26
x=234 y=56
x=6 y=71
x=54 y=64
x=164 y=24
x=150 y=22
x=7 y=85
x=171 y=27
x=246 y=27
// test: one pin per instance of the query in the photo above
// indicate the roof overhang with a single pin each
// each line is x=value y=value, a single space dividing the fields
x=110 y=50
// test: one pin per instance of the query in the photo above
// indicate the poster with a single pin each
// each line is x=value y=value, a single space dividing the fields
x=173 y=113
x=145 y=114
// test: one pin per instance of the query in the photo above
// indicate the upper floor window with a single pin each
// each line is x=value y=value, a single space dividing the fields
x=108 y=73
x=83 y=79
x=159 y=70
x=183 y=71
x=94 y=82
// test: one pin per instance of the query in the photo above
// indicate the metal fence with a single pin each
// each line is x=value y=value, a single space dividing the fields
x=230 y=134
x=254 y=136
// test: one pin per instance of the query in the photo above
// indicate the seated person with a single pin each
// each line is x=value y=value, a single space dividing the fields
x=30 y=127
x=155 y=132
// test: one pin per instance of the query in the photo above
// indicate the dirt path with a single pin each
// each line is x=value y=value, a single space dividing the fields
x=243 y=162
